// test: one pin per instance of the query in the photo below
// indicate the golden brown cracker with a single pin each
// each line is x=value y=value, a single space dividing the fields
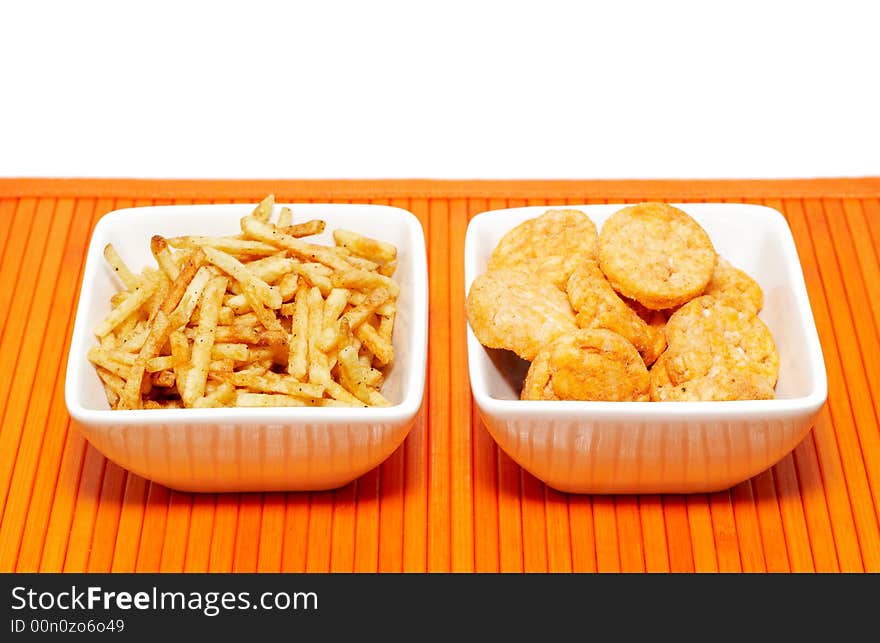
x=656 y=254
x=708 y=338
x=728 y=386
x=588 y=364
x=550 y=246
x=735 y=288
x=599 y=306
x=515 y=310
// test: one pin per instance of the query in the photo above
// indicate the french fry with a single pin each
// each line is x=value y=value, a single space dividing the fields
x=249 y=282
x=364 y=280
x=139 y=295
x=264 y=209
x=125 y=275
x=236 y=352
x=162 y=363
x=378 y=251
x=273 y=383
x=297 y=365
x=306 y=229
x=271 y=269
x=386 y=327
x=197 y=374
x=134 y=338
x=261 y=231
x=159 y=248
x=285 y=217
x=383 y=352
x=227 y=316
x=190 y=298
x=352 y=377
x=229 y=245
x=316 y=274
x=356 y=261
x=131 y=395
x=288 y=285
x=319 y=369
x=221 y=366
x=388 y=269
x=339 y=393
x=221 y=396
x=358 y=315
x=113 y=385
x=165 y=379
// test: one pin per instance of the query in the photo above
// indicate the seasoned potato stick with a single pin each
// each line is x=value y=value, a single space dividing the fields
x=236 y=352
x=274 y=383
x=113 y=385
x=229 y=245
x=356 y=261
x=183 y=314
x=388 y=269
x=181 y=285
x=339 y=393
x=363 y=280
x=386 y=327
x=306 y=229
x=108 y=341
x=270 y=234
x=372 y=249
x=115 y=261
x=165 y=379
x=319 y=369
x=352 y=376
x=315 y=277
x=164 y=257
x=110 y=360
x=135 y=300
x=247 y=280
x=227 y=316
x=288 y=285
x=118 y=298
x=297 y=364
x=381 y=349
x=161 y=328
x=271 y=269
x=197 y=374
x=264 y=209
x=221 y=366
x=156 y=364
x=358 y=315
x=221 y=396
x=285 y=217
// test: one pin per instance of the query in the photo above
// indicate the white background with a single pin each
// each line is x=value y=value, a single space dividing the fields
x=444 y=90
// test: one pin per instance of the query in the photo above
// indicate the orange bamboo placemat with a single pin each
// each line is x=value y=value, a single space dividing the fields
x=447 y=499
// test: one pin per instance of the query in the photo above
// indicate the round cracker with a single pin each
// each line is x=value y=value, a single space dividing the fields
x=656 y=254
x=599 y=306
x=515 y=310
x=722 y=387
x=549 y=246
x=707 y=338
x=735 y=288
x=594 y=364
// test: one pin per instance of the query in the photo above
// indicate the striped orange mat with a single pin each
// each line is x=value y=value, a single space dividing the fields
x=447 y=499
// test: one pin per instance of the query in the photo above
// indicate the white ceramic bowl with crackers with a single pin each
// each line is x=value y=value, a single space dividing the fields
x=660 y=447
x=250 y=449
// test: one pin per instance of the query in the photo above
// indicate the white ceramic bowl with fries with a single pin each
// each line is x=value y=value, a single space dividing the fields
x=660 y=447
x=257 y=448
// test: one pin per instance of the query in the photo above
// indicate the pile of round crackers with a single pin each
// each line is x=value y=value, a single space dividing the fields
x=644 y=311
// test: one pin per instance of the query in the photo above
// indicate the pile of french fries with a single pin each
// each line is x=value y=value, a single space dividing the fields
x=262 y=318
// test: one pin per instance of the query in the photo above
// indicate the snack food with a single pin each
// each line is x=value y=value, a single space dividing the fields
x=262 y=318
x=598 y=306
x=516 y=310
x=549 y=246
x=588 y=364
x=719 y=387
x=735 y=288
x=707 y=338
x=656 y=296
x=656 y=254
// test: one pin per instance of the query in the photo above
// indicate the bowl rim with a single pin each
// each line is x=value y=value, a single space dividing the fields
x=741 y=409
x=413 y=381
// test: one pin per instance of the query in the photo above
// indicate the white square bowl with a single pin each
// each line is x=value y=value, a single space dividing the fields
x=660 y=447
x=250 y=449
